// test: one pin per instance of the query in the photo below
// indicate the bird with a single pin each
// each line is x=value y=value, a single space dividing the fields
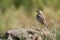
x=41 y=18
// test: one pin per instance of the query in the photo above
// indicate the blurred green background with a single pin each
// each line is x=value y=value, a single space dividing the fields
x=21 y=13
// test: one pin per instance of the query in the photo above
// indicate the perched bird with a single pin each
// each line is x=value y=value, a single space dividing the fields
x=41 y=18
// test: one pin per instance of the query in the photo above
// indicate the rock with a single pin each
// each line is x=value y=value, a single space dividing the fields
x=30 y=34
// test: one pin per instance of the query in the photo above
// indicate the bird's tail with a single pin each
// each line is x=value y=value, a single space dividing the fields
x=46 y=25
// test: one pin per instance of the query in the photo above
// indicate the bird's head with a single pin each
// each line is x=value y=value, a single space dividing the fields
x=39 y=12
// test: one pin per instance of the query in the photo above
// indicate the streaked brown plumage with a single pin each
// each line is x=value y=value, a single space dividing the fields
x=41 y=18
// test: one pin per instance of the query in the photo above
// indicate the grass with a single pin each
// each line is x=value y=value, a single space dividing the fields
x=15 y=19
x=58 y=37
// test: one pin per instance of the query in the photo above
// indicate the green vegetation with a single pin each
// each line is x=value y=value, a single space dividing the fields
x=21 y=13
